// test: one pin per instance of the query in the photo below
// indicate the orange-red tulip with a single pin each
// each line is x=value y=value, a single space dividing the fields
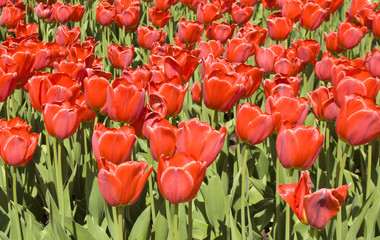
x=212 y=46
x=266 y=57
x=372 y=61
x=67 y=37
x=105 y=13
x=241 y=13
x=159 y=18
x=307 y=50
x=253 y=34
x=196 y=92
x=147 y=35
x=312 y=16
x=324 y=107
x=279 y=27
x=207 y=13
x=282 y=86
x=220 y=31
x=11 y=15
x=189 y=32
x=350 y=35
x=120 y=56
x=238 y=50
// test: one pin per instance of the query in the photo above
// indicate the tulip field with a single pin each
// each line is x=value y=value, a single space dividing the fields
x=189 y=119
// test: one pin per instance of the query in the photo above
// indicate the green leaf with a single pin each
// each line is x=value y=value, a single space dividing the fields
x=77 y=231
x=141 y=228
x=215 y=201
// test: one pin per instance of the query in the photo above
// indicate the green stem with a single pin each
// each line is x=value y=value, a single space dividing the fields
x=313 y=233
x=242 y=203
x=58 y=169
x=327 y=144
x=342 y=161
x=14 y=186
x=190 y=221
x=175 y=222
x=150 y=182
x=288 y=223
x=369 y=169
x=278 y=199
x=169 y=218
x=8 y=110
x=120 y=211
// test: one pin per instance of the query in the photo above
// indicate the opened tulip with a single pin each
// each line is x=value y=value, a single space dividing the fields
x=282 y=86
x=17 y=145
x=95 y=92
x=372 y=61
x=324 y=107
x=179 y=178
x=279 y=27
x=125 y=101
x=359 y=120
x=11 y=15
x=159 y=18
x=241 y=13
x=253 y=34
x=122 y=184
x=146 y=36
x=312 y=16
x=307 y=50
x=115 y=145
x=220 y=31
x=350 y=35
x=105 y=13
x=62 y=119
x=67 y=37
x=253 y=77
x=238 y=50
x=212 y=46
x=120 y=56
x=254 y=126
x=189 y=32
x=266 y=57
x=314 y=209
x=25 y=30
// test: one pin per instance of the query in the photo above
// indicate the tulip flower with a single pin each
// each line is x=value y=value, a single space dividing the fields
x=314 y=209
x=115 y=145
x=207 y=13
x=212 y=46
x=159 y=18
x=138 y=76
x=65 y=12
x=282 y=86
x=323 y=68
x=372 y=61
x=307 y=50
x=324 y=107
x=25 y=30
x=359 y=120
x=146 y=36
x=122 y=184
x=44 y=12
x=270 y=4
x=253 y=77
x=189 y=32
x=11 y=15
x=105 y=13
x=163 y=5
x=279 y=27
x=120 y=56
x=350 y=35
x=8 y=79
x=17 y=145
x=241 y=13
x=265 y=57
x=14 y=123
x=125 y=101
x=88 y=114
x=288 y=67
x=253 y=34
x=196 y=92
x=67 y=37
x=222 y=90
x=291 y=150
x=238 y=50
x=199 y=140
x=62 y=119
x=220 y=31
x=95 y=92
x=331 y=40
x=254 y=126
x=292 y=9
x=129 y=18
x=76 y=71
x=293 y=110
x=312 y=16
x=179 y=178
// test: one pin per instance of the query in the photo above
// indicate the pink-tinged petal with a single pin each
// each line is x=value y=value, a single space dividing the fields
x=176 y=184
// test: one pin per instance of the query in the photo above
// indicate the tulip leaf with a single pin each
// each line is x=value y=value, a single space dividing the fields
x=215 y=201
x=234 y=230
x=141 y=228
x=160 y=228
x=77 y=231
x=371 y=217
x=94 y=198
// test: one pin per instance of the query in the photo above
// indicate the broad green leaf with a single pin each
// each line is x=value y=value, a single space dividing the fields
x=141 y=228
x=215 y=201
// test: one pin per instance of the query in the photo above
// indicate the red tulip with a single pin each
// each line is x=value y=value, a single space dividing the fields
x=293 y=110
x=163 y=5
x=265 y=57
x=120 y=56
x=62 y=119
x=122 y=184
x=372 y=61
x=288 y=67
x=11 y=15
x=292 y=9
x=26 y=30
x=207 y=13
x=282 y=86
x=196 y=92
x=312 y=16
x=146 y=36
x=324 y=67
x=65 y=12
x=45 y=12
x=8 y=76
x=179 y=178
x=241 y=13
x=253 y=34
x=225 y=5
x=76 y=71
x=67 y=37
x=279 y=27
x=254 y=126
x=125 y=101
x=253 y=77
x=359 y=120
x=349 y=35
x=17 y=145
x=270 y=4
x=129 y=18
x=307 y=50
x=324 y=107
x=291 y=150
x=139 y=76
x=159 y=18
x=238 y=50
x=222 y=90
x=105 y=13
x=251 y=3
x=115 y=145
x=220 y=31
x=357 y=7
x=317 y=208
x=199 y=140
x=376 y=25
x=212 y=46
x=189 y=31
x=331 y=40
x=14 y=123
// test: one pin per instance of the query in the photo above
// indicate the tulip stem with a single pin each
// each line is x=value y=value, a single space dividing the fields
x=313 y=233
x=369 y=169
x=169 y=218
x=190 y=221
x=14 y=186
x=341 y=162
x=327 y=144
x=58 y=169
x=151 y=188
x=288 y=223
x=175 y=222
x=120 y=211
x=242 y=203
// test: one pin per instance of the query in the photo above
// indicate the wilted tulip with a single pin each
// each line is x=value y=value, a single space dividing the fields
x=291 y=150
x=254 y=126
x=122 y=184
x=324 y=107
x=279 y=27
x=314 y=209
x=359 y=120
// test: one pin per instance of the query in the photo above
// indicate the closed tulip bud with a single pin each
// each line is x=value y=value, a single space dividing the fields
x=189 y=32
x=105 y=13
x=279 y=27
x=291 y=150
x=241 y=13
x=62 y=119
x=314 y=209
x=125 y=101
x=122 y=184
x=282 y=86
x=212 y=46
x=120 y=56
x=196 y=92
x=265 y=57
x=312 y=16
x=129 y=18
x=17 y=145
x=67 y=37
x=11 y=15
x=372 y=61
x=220 y=31
x=292 y=9
x=331 y=40
x=179 y=178
x=359 y=120
x=349 y=35
x=159 y=18
x=207 y=13
x=322 y=101
x=254 y=126
x=324 y=67
x=115 y=145
x=8 y=76
x=147 y=35
x=307 y=50
x=238 y=50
